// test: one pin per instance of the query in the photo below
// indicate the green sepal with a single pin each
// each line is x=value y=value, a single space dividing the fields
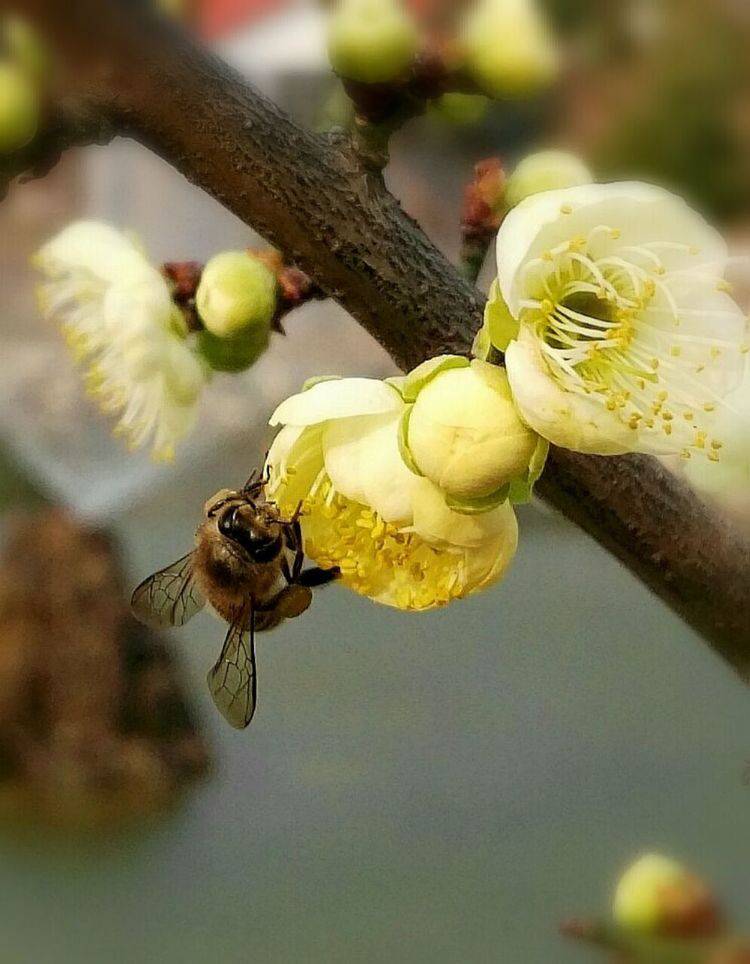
x=319 y=379
x=232 y=355
x=502 y=327
x=521 y=490
x=397 y=382
x=482 y=347
x=423 y=374
x=403 y=442
x=478 y=506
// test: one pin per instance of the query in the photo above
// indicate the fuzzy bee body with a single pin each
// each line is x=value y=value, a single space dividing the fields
x=247 y=565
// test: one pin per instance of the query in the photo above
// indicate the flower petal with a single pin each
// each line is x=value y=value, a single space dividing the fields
x=342 y=398
x=539 y=224
x=363 y=462
x=294 y=462
x=564 y=418
x=98 y=249
x=439 y=525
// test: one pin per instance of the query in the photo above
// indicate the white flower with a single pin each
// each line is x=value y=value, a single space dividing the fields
x=728 y=483
x=389 y=531
x=619 y=330
x=117 y=314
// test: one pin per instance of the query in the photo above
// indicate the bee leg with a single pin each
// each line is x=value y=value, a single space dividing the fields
x=291 y=602
x=294 y=541
x=312 y=578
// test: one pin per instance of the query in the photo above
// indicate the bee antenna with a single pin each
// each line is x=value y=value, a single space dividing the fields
x=251 y=482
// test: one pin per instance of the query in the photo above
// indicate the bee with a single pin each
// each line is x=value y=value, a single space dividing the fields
x=247 y=565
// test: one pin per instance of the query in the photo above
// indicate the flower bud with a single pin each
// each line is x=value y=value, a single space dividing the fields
x=545 y=171
x=25 y=47
x=19 y=108
x=464 y=433
x=235 y=354
x=236 y=292
x=509 y=49
x=463 y=110
x=371 y=41
x=658 y=896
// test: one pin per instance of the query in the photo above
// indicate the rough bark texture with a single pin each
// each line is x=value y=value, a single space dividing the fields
x=308 y=195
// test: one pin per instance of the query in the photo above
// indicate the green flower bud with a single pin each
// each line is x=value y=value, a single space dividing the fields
x=464 y=434
x=25 y=47
x=235 y=354
x=236 y=292
x=460 y=109
x=19 y=109
x=509 y=49
x=371 y=41
x=658 y=896
x=545 y=171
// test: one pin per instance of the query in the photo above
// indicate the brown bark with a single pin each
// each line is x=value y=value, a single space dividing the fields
x=309 y=196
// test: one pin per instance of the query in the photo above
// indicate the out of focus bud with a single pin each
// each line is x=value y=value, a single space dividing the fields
x=237 y=293
x=463 y=432
x=460 y=109
x=19 y=108
x=371 y=41
x=510 y=51
x=25 y=48
x=174 y=8
x=545 y=171
x=658 y=896
x=235 y=354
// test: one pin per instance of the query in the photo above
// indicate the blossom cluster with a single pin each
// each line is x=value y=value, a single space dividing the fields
x=610 y=328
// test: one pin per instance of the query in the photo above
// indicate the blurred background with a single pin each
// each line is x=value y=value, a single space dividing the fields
x=439 y=788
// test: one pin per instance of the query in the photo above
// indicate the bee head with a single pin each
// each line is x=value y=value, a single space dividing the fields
x=258 y=533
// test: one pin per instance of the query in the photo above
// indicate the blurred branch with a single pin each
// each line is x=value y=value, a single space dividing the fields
x=634 y=948
x=311 y=197
x=72 y=124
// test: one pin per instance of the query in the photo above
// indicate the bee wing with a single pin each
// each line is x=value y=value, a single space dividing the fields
x=232 y=681
x=169 y=597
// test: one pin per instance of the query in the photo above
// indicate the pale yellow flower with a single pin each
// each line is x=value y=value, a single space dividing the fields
x=619 y=331
x=389 y=531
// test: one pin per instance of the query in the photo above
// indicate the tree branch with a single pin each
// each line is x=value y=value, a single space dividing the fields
x=73 y=124
x=310 y=197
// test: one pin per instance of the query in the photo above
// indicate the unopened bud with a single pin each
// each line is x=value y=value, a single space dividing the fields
x=25 y=47
x=19 y=108
x=237 y=292
x=463 y=110
x=464 y=433
x=234 y=354
x=510 y=51
x=658 y=896
x=371 y=41
x=545 y=171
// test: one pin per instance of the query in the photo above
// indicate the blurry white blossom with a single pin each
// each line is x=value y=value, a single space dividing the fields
x=117 y=314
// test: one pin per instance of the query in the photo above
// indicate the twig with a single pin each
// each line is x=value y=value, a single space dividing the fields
x=72 y=124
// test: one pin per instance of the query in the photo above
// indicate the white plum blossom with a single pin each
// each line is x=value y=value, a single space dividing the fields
x=619 y=329
x=389 y=531
x=117 y=314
